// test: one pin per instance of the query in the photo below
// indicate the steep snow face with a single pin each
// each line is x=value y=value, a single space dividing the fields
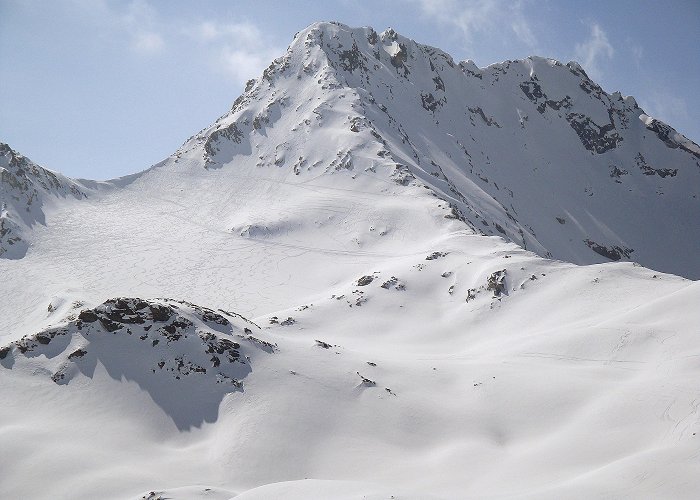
x=531 y=150
x=24 y=190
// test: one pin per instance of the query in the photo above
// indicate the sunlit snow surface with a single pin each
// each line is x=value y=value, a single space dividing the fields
x=382 y=345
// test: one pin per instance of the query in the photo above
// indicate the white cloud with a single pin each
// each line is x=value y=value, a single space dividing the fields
x=205 y=31
x=637 y=52
x=141 y=22
x=139 y=13
x=147 y=43
x=667 y=107
x=135 y=24
x=240 y=50
x=481 y=16
x=521 y=28
x=595 y=49
x=242 y=65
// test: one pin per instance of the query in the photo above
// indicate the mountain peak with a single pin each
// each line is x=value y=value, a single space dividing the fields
x=531 y=149
x=488 y=141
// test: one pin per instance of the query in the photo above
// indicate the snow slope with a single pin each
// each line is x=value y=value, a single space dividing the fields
x=338 y=325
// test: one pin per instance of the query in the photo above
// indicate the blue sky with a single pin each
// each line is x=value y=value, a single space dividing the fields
x=103 y=88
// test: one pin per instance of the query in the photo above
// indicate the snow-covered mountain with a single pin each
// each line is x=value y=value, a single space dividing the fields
x=385 y=217
x=532 y=150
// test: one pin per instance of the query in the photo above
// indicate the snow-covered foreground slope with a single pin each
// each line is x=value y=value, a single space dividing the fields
x=572 y=382
x=293 y=306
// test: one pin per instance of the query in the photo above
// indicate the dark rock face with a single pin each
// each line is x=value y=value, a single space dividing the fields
x=365 y=381
x=365 y=280
x=322 y=344
x=666 y=134
x=590 y=87
x=613 y=252
x=497 y=283
x=10 y=238
x=436 y=255
x=557 y=105
x=429 y=102
x=352 y=59
x=595 y=138
x=395 y=283
x=616 y=173
x=78 y=353
x=439 y=84
x=115 y=314
x=88 y=316
x=489 y=121
x=649 y=170
x=532 y=90
x=399 y=59
x=232 y=133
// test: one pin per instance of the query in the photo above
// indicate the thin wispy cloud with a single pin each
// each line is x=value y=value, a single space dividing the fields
x=666 y=106
x=141 y=21
x=521 y=28
x=481 y=17
x=241 y=50
x=637 y=51
x=237 y=50
x=147 y=43
x=595 y=49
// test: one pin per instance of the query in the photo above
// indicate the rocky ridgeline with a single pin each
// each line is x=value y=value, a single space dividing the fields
x=139 y=338
x=23 y=188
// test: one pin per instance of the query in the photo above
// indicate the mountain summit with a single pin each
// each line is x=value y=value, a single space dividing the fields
x=363 y=280
x=532 y=150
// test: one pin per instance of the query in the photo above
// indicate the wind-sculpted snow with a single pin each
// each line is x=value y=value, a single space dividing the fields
x=169 y=348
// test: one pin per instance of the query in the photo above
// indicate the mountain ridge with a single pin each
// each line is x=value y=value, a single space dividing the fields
x=594 y=195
